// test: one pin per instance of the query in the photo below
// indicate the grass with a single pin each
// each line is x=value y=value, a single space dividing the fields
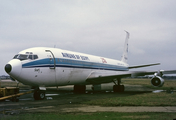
x=145 y=99
x=93 y=116
x=146 y=82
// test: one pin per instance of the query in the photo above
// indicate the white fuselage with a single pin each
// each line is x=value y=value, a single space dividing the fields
x=42 y=66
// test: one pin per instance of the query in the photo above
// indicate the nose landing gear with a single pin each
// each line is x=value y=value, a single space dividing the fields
x=39 y=94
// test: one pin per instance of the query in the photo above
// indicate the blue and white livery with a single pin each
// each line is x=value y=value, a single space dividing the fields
x=41 y=67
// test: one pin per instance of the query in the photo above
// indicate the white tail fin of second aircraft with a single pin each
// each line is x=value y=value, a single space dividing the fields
x=125 y=51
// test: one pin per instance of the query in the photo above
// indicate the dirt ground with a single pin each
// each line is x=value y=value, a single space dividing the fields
x=64 y=100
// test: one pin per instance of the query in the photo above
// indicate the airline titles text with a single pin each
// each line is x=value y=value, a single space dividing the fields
x=68 y=55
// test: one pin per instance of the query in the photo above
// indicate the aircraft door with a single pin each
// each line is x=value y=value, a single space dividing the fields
x=52 y=61
x=46 y=74
x=49 y=72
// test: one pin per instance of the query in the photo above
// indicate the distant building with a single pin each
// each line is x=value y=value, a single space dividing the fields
x=4 y=77
x=150 y=76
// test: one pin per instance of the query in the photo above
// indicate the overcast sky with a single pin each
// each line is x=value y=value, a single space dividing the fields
x=93 y=27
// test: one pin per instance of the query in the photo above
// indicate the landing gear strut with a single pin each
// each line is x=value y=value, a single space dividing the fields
x=117 y=87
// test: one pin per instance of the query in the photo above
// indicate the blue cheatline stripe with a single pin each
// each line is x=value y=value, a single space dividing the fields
x=73 y=64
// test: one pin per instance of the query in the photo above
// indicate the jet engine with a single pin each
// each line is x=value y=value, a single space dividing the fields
x=157 y=81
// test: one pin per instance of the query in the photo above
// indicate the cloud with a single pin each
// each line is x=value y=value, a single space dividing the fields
x=93 y=27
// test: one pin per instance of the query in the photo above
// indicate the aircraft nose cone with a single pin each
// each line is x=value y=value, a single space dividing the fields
x=8 y=68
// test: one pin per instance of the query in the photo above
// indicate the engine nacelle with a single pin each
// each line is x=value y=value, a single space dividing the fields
x=157 y=81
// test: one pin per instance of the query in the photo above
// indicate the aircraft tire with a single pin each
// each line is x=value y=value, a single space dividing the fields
x=122 y=88
x=39 y=95
x=118 y=88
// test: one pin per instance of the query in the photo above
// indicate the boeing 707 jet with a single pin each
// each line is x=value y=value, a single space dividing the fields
x=42 y=67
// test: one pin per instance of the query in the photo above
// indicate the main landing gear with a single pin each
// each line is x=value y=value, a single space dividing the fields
x=117 y=87
x=79 y=89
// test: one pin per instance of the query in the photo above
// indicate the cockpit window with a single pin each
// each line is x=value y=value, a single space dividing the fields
x=25 y=57
x=35 y=57
x=31 y=57
x=15 y=57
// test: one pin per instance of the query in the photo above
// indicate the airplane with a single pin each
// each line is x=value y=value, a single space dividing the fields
x=41 y=67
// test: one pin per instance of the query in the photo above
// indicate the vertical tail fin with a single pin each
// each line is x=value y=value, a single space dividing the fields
x=125 y=51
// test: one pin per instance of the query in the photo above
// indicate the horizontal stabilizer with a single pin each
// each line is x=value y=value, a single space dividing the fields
x=139 y=66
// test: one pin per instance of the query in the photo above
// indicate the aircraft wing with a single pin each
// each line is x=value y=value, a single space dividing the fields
x=98 y=78
x=139 y=66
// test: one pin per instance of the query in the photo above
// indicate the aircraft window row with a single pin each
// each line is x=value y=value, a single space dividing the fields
x=84 y=63
x=75 y=62
x=99 y=65
x=25 y=57
x=69 y=61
